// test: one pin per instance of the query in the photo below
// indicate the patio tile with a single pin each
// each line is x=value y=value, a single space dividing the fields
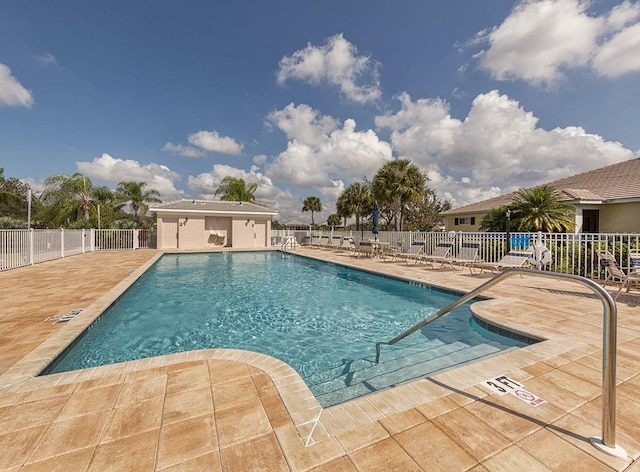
x=26 y=415
x=16 y=446
x=558 y=455
x=242 y=422
x=82 y=402
x=362 y=436
x=140 y=390
x=260 y=454
x=76 y=460
x=185 y=440
x=477 y=437
x=134 y=418
x=68 y=435
x=209 y=462
x=514 y=458
x=140 y=456
x=385 y=455
x=187 y=404
x=438 y=452
x=234 y=392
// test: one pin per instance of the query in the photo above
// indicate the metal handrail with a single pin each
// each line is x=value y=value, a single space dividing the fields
x=608 y=442
x=288 y=241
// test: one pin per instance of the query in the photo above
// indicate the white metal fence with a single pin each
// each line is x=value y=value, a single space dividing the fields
x=21 y=247
x=571 y=253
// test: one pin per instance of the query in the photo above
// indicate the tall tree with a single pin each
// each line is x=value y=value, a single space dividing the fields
x=69 y=199
x=134 y=194
x=13 y=199
x=333 y=220
x=355 y=200
x=234 y=189
x=540 y=209
x=426 y=215
x=397 y=184
x=313 y=205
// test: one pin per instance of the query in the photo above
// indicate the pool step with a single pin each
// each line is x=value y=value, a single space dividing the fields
x=401 y=369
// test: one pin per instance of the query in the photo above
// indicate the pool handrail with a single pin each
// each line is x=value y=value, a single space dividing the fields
x=607 y=443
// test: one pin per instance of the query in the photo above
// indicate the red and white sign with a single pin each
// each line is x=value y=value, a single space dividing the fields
x=503 y=385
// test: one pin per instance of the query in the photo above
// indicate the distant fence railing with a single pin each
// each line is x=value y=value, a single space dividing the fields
x=22 y=247
x=571 y=253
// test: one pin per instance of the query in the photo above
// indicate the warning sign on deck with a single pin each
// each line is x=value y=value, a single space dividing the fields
x=503 y=385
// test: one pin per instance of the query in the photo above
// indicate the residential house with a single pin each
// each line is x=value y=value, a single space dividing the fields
x=606 y=200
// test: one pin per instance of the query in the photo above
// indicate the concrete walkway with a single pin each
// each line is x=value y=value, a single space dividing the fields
x=235 y=410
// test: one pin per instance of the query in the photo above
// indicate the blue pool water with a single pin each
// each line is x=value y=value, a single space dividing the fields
x=322 y=319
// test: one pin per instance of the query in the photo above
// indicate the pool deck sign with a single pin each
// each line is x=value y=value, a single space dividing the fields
x=503 y=385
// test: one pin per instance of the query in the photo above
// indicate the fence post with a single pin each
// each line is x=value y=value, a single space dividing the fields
x=84 y=234
x=31 y=258
x=62 y=243
x=136 y=241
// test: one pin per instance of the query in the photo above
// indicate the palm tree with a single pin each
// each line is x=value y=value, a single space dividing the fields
x=313 y=205
x=397 y=184
x=137 y=197
x=234 y=189
x=356 y=200
x=540 y=209
x=69 y=199
x=333 y=220
x=495 y=219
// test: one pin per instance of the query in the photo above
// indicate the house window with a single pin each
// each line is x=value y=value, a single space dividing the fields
x=465 y=221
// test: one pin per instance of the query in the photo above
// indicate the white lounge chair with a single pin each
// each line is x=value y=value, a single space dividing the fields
x=416 y=248
x=468 y=255
x=440 y=254
x=614 y=272
x=511 y=260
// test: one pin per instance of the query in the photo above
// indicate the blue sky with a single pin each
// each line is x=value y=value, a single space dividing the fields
x=304 y=98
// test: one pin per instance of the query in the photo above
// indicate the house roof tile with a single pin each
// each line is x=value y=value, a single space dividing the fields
x=608 y=184
x=213 y=206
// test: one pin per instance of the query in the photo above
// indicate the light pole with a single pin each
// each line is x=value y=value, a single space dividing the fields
x=508 y=227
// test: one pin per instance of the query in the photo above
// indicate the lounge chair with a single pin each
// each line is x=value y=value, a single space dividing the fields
x=415 y=250
x=614 y=272
x=440 y=254
x=366 y=248
x=511 y=260
x=468 y=255
x=334 y=243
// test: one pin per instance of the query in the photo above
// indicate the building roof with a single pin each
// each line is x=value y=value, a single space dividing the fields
x=611 y=184
x=212 y=206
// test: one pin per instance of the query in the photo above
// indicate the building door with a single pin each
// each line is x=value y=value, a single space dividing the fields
x=260 y=234
x=170 y=233
x=590 y=221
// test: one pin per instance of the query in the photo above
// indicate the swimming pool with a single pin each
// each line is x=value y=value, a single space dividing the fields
x=322 y=319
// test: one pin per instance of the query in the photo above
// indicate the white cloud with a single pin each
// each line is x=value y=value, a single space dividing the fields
x=318 y=153
x=203 y=142
x=621 y=54
x=212 y=141
x=114 y=170
x=47 y=59
x=12 y=92
x=303 y=123
x=187 y=151
x=497 y=148
x=539 y=39
x=205 y=185
x=337 y=63
x=542 y=40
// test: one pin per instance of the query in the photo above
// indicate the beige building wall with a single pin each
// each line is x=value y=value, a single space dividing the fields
x=620 y=218
x=218 y=230
x=203 y=232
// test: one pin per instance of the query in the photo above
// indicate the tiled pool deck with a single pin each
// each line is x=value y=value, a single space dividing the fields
x=241 y=411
